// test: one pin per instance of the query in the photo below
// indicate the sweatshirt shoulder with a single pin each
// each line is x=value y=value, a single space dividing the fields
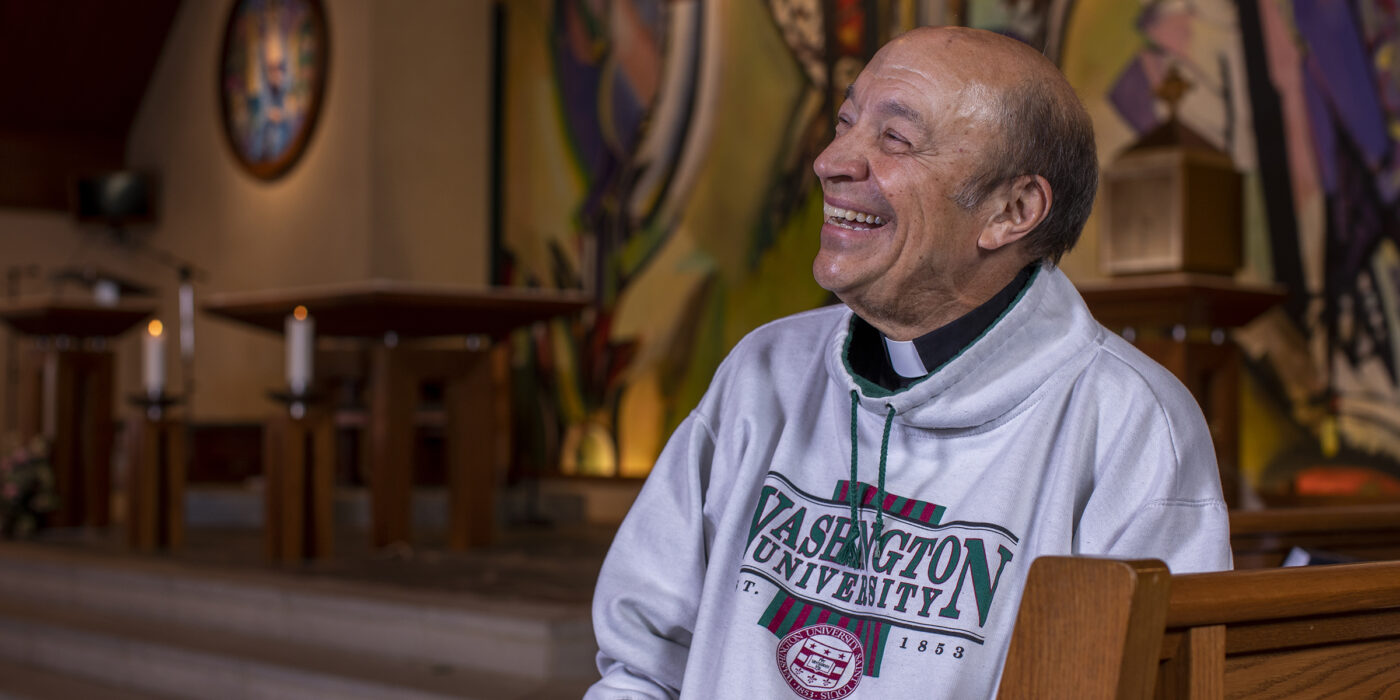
x=779 y=353
x=807 y=331
x=1126 y=373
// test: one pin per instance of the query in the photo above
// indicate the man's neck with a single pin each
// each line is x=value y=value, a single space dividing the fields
x=893 y=364
x=923 y=313
x=930 y=350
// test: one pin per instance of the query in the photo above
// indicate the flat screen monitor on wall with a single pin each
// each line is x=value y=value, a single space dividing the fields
x=115 y=198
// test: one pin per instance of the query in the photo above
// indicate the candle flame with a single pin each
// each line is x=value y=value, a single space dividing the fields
x=299 y=313
x=155 y=328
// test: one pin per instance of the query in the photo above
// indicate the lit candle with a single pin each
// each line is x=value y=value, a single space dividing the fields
x=300 y=330
x=153 y=356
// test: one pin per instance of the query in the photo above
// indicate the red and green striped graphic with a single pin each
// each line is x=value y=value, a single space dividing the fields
x=922 y=511
x=787 y=613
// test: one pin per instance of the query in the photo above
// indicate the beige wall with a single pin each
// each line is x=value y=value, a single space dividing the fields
x=430 y=89
x=393 y=182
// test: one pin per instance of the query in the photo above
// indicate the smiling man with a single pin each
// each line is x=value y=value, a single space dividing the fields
x=852 y=508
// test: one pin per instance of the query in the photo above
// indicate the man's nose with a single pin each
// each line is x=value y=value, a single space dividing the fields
x=842 y=159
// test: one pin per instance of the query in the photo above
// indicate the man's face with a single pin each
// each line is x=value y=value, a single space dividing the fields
x=916 y=124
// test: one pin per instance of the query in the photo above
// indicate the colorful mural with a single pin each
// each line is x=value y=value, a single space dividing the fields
x=1329 y=144
x=1302 y=95
x=658 y=154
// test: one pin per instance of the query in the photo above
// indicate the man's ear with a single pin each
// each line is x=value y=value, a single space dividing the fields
x=1021 y=206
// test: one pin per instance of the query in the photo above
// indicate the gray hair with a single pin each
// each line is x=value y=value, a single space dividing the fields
x=1046 y=132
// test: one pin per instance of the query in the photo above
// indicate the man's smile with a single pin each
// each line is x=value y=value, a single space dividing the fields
x=851 y=218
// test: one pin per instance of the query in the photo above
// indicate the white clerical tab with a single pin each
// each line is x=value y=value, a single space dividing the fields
x=904 y=357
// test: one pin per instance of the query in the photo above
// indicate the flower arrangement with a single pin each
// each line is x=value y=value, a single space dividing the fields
x=26 y=486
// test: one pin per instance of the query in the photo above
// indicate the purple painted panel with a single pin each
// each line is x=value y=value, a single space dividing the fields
x=1324 y=132
x=1132 y=96
x=1335 y=42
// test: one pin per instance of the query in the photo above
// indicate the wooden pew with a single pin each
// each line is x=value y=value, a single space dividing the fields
x=1101 y=628
x=1262 y=538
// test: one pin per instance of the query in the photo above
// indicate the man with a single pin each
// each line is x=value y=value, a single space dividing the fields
x=852 y=508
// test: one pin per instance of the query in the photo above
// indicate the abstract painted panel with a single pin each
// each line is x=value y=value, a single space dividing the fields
x=657 y=154
x=1303 y=96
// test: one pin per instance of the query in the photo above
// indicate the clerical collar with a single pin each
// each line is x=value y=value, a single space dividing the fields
x=896 y=364
x=904 y=358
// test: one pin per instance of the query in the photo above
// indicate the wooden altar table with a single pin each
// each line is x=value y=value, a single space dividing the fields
x=66 y=386
x=477 y=397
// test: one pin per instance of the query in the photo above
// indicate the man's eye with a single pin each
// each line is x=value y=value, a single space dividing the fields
x=896 y=138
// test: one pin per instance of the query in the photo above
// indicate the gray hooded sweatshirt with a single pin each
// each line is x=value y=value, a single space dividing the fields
x=738 y=572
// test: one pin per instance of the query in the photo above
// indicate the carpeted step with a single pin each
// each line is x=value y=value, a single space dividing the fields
x=22 y=682
x=540 y=641
x=158 y=657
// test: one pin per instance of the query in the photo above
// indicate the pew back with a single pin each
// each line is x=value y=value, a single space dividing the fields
x=1307 y=632
x=1310 y=632
x=1261 y=538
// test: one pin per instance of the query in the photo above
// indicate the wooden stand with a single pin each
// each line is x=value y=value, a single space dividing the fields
x=156 y=492
x=299 y=468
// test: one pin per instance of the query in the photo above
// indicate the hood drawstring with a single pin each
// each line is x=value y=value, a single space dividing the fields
x=851 y=554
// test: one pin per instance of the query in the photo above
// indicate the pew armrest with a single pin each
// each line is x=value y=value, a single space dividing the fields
x=1087 y=628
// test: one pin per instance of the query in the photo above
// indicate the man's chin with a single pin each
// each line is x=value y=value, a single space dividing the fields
x=834 y=277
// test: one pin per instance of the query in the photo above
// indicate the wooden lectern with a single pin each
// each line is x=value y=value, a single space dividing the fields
x=66 y=389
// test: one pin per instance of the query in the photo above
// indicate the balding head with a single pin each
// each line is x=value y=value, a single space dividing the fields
x=1044 y=129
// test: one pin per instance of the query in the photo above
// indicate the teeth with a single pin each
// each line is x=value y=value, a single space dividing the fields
x=851 y=215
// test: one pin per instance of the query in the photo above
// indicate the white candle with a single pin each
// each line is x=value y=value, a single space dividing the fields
x=153 y=360
x=300 y=330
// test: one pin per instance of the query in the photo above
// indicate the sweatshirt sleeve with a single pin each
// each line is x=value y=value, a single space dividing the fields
x=1158 y=488
x=648 y=593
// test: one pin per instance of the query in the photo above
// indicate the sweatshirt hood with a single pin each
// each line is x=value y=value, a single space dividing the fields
x=1040 y=335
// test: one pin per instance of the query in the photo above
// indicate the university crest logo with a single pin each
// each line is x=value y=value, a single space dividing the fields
x=821 y=662
x=927 y=578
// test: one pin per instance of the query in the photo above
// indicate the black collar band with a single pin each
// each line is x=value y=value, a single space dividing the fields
x=870 y=358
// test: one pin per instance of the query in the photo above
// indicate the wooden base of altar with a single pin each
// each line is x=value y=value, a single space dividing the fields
x=156 y=492
x=477 y=407
x=299 y=468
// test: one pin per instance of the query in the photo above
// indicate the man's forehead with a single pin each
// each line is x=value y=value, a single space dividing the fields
x=891 y=106
x=923 y=96
x=956 y=54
